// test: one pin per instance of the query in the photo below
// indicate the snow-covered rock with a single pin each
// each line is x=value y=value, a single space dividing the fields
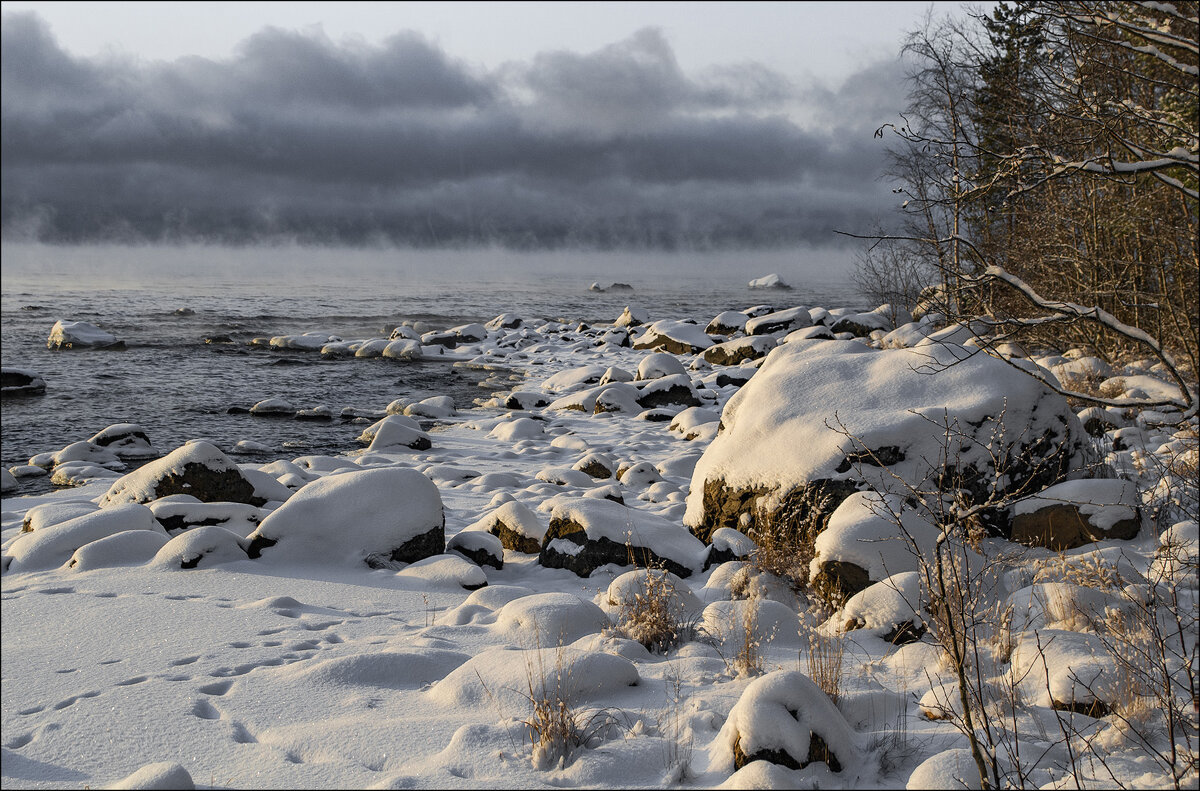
x=632 y=316
x=197 y=468
x=772 y=280
x=586 y=533
x=890 y=609
x=126 y=440
x=372 y=516
x=782 y=448
x=21 y=381
x=779 y=321
x=201 y=547
x=784 y=718
x=395 y=431
x=738 y=350
x=727 y=323
x=863 y=324
x=274 y=407
x=53 y=545
x=656 y=366
x=81 y=335
x=1074 y=513
x=677 y=337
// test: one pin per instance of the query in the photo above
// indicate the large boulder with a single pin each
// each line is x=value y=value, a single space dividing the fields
x=823 y=419
x=587 y=533
x=371 y=517
x=197 y=468
x=1075 y=513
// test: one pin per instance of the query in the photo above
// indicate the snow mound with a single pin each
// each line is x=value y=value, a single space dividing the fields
x=200 y=547
x=164 y=775
x=553 y=617
x=406 y=668
x=658 y=365
x=949 y=770
x=444 y=572
x=506 y=677
x=53 y=545
x=127 y=548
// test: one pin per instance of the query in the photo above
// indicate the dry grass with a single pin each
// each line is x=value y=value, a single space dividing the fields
x=825 y=655
x=652 y=616
x=555 y=728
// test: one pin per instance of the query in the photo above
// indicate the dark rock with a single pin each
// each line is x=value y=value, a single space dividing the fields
x=17 y=381
x=817 y=751
x=812 y=504
x=738 y=378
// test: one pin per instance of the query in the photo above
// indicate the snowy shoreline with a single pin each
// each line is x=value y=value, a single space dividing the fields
x=383 y=618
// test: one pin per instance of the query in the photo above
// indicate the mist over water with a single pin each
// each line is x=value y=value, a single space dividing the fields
x=177 y=387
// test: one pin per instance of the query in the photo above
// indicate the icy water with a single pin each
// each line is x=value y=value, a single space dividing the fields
x=164 y=301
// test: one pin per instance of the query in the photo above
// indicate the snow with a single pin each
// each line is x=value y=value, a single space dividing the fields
x=137 y=656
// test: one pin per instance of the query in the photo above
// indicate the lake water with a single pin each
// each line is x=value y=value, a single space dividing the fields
x=168 y=380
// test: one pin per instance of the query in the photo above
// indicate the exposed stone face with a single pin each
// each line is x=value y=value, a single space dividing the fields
x=667 y=344
x=842 y=577
x=817 y=751
x=207 y=485
x=1062 y=526
x=847 y=324
x=734 y=352
x=675 y=395
x=420 y=547
x=811 y=504
x=511 y=539
x=595 y=469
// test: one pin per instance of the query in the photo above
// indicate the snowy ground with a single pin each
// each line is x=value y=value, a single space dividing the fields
x=310 y=675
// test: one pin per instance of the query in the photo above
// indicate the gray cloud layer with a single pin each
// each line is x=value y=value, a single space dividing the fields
x=298 y=137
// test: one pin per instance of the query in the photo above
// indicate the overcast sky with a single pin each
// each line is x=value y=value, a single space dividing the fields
x=526 y=124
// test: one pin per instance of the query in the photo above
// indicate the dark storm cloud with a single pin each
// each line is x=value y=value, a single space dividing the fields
x=297 y=136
